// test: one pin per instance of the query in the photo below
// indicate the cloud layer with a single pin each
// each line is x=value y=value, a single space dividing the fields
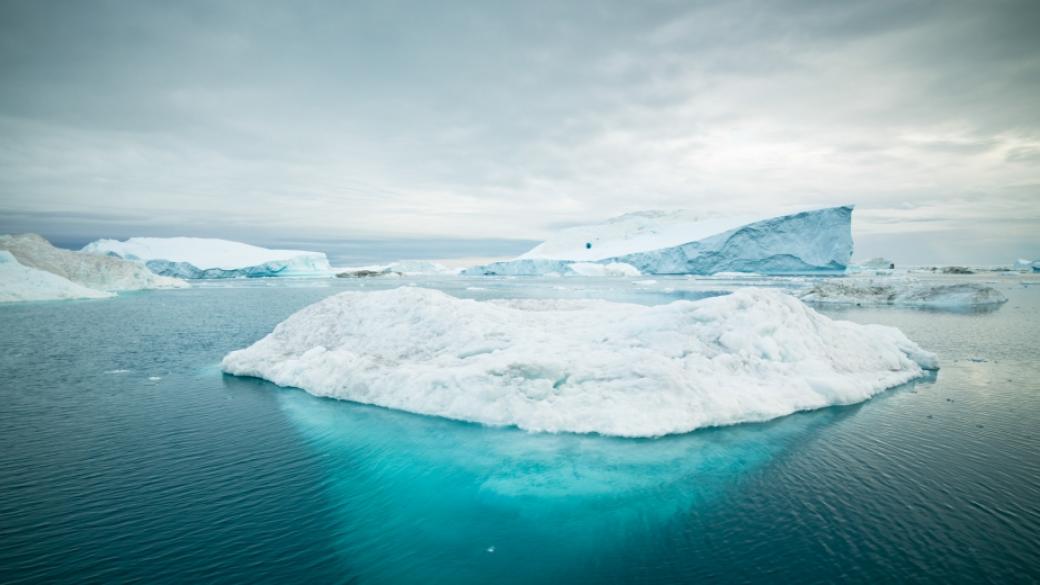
x=470 y=120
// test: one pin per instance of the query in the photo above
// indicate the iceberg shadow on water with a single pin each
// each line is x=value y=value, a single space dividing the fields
x=470 y=502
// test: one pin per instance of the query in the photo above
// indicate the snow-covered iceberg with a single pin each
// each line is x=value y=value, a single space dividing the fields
x=213 y=258
x=98 y=272
x=657 y=242
x=585 y=366
x=23 y=283
x=908 y=293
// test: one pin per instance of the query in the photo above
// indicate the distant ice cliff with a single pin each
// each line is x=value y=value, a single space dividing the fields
x=213 y=258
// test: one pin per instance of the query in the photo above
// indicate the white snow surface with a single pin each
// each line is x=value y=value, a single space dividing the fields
x=22 y=283
x=584 y=366
x=211 y=253
x=904 y=292
x=97 y=272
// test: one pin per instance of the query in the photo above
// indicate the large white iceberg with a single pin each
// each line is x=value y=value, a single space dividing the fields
x=97 y=272
x=23 y=283
x=904 y=292
x=656 y=242
x=213 y=258
x=586 y=366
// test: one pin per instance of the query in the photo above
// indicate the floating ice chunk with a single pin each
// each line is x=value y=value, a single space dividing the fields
x=656 y=242
x=1023 y=264
x=212 y=258
x=98 y=272
x=910 y=293
x=585 y=366
x=22 y=283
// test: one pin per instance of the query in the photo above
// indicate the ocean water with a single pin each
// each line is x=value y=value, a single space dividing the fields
x=127 y=456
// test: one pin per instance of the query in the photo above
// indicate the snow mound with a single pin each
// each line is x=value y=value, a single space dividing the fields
x=213 y=258
x=673 y=243
x=909 y=293
x=22 y=283
x=585 y=366
x=97 y=272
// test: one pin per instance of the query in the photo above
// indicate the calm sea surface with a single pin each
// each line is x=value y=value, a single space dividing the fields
x=126 y=456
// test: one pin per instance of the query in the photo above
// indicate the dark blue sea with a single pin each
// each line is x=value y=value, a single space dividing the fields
x=126 y=456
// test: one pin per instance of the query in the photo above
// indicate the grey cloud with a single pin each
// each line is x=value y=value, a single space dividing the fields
x=369 y=120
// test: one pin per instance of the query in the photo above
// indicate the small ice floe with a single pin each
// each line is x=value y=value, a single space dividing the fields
x=117 y=371
x=908 y=293
x=475 y=288
x=644 y=282
x=154 y=378
x=491 y=549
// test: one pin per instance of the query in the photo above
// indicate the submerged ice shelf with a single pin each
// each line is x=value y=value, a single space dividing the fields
x=195 y=258
x=582 y=366
x=673 y=243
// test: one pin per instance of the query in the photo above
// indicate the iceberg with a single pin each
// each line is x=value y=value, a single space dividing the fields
x=213 y=258
x=607 y=269
x=582 y=366
x=23 y=283
x=397 y=268
x=878 y=263
x=908 y=293
x=655 y=242
x=98 y=272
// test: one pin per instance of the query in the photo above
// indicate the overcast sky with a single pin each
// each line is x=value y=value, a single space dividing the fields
x=476 y=127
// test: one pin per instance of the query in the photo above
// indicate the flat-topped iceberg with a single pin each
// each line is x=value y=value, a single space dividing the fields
x=676 y=243
x=585 y=366
x=213 y=258
x=904 y=292
x=98 y=272
x=23 y=283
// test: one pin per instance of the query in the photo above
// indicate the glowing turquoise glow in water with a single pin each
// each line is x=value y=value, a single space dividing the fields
x=129 y=457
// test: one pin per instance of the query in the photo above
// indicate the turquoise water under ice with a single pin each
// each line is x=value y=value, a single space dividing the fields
x=128 y=457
